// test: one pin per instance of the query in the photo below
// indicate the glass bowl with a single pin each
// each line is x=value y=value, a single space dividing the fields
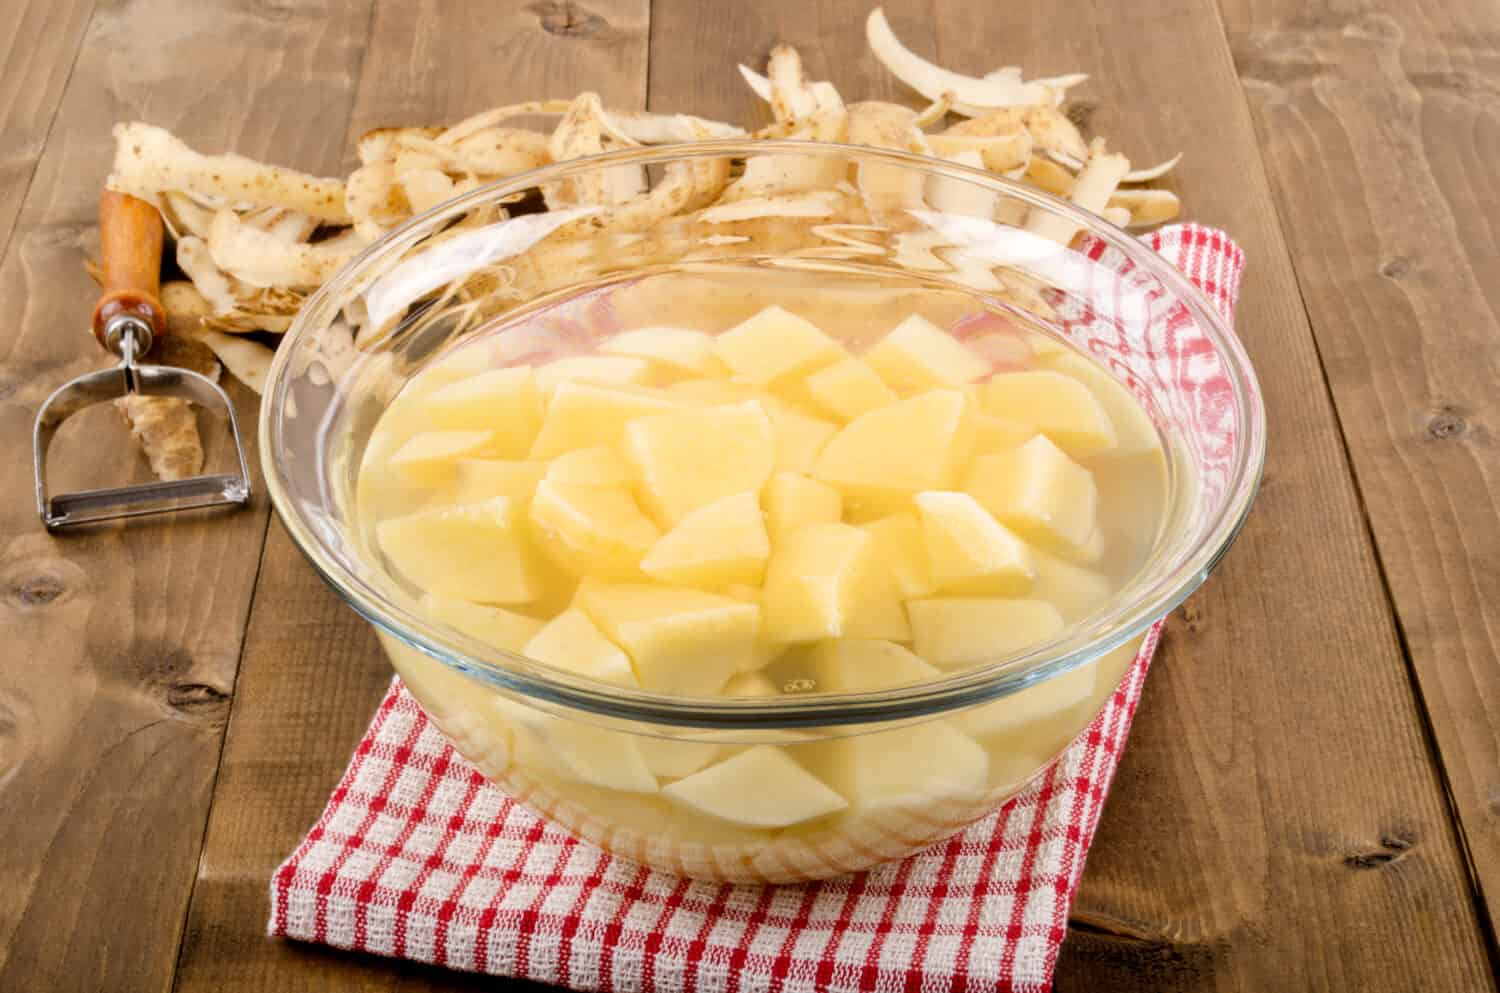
x=555 y=260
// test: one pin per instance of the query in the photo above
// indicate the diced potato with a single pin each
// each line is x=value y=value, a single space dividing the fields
x=673 y=758
x=1088 y=553
x=690 y=458
x=1074 y=590
x=760 y=787
x=1134 y=432
x=1039 y=492
x=798 y=435
x=852 y=665
x=431 y=458
x=848 y=388
x=582 y=415
x=571 y=642
x=679 y=349
x=1045 y=345
x=717 y=545
x=996 y=434
x=952 y=632
x=750 y=685
x=591 y=529
x=480 y=479
x=495 y=626
x=472 y=551
x=1048 y=699
x=902 y=550
x=774 y=345
x=681 y=641
x=896 y=451
x=794 y=501
x=597 y=466
x=592 y=369
x=901 y=765
x=825 y=581
x=1058 y=406
x=969 y=551
x=764 y=651
x=505 y=401
x=595 y=755
x=918 y=355
x=712 y=392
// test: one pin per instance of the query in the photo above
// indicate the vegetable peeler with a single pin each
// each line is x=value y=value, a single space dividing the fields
x=127 y=320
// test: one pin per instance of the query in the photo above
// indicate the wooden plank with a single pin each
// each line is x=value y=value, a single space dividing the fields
x=122 y=643
x=1228 y=859
x=1381 y=125
x=35 y=62
x=312 y=671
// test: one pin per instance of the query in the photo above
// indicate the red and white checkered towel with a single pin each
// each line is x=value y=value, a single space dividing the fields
x=418 y=856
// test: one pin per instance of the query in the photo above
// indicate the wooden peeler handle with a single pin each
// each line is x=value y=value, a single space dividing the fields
x=130 y=233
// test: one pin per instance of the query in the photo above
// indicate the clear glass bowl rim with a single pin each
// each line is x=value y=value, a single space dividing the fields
x=1133 y=609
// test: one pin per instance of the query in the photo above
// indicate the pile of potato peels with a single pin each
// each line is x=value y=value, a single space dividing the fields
x=253 y=240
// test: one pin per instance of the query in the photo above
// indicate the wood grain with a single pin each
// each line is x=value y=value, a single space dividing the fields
x=1279 y=822
x=1384 y=124
x=122 y=643
x=35 y=61
x=312 y=671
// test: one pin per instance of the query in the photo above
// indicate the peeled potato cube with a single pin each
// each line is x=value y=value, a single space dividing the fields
x=1047 y=699
x=852 y=665
x=1039 y=492
x=960 y=631
x=504 y=401
x=1074 y=590
x=572 y=642
x=749 y=685
x=969 y=551
x=902 y=765
x=713 y=392
x=717 y=545
x=799 y=437
x=681 y=641
x=996 y=434
x=582 y=415
x=592 y=369
x=591 y=529
x=848 y=388
x=472 y=551
x=689 y=458
x=918 y=355
x=597 y=756
x=431 y=457
x=760 y=787
x=794 y=501
x=763 y=651
x=902 y=550
x=597 y=466
x=679 y=349
x=1058 y=406
x=492 y=625
x=1134 y=432
x=825 y=581
x=479 y=479
x=673 y=758
x=774 y=345
x=896 y=451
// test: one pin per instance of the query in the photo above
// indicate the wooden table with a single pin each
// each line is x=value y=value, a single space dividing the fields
x=1311 y=798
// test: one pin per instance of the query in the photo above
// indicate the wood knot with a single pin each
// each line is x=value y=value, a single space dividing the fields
x=1393 y=847
x=1445 y=423
x=1396 y=268
x=1192 y=616
x=568 y=19
x=1081 y=113
x=37 y=584
x=196 y=698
